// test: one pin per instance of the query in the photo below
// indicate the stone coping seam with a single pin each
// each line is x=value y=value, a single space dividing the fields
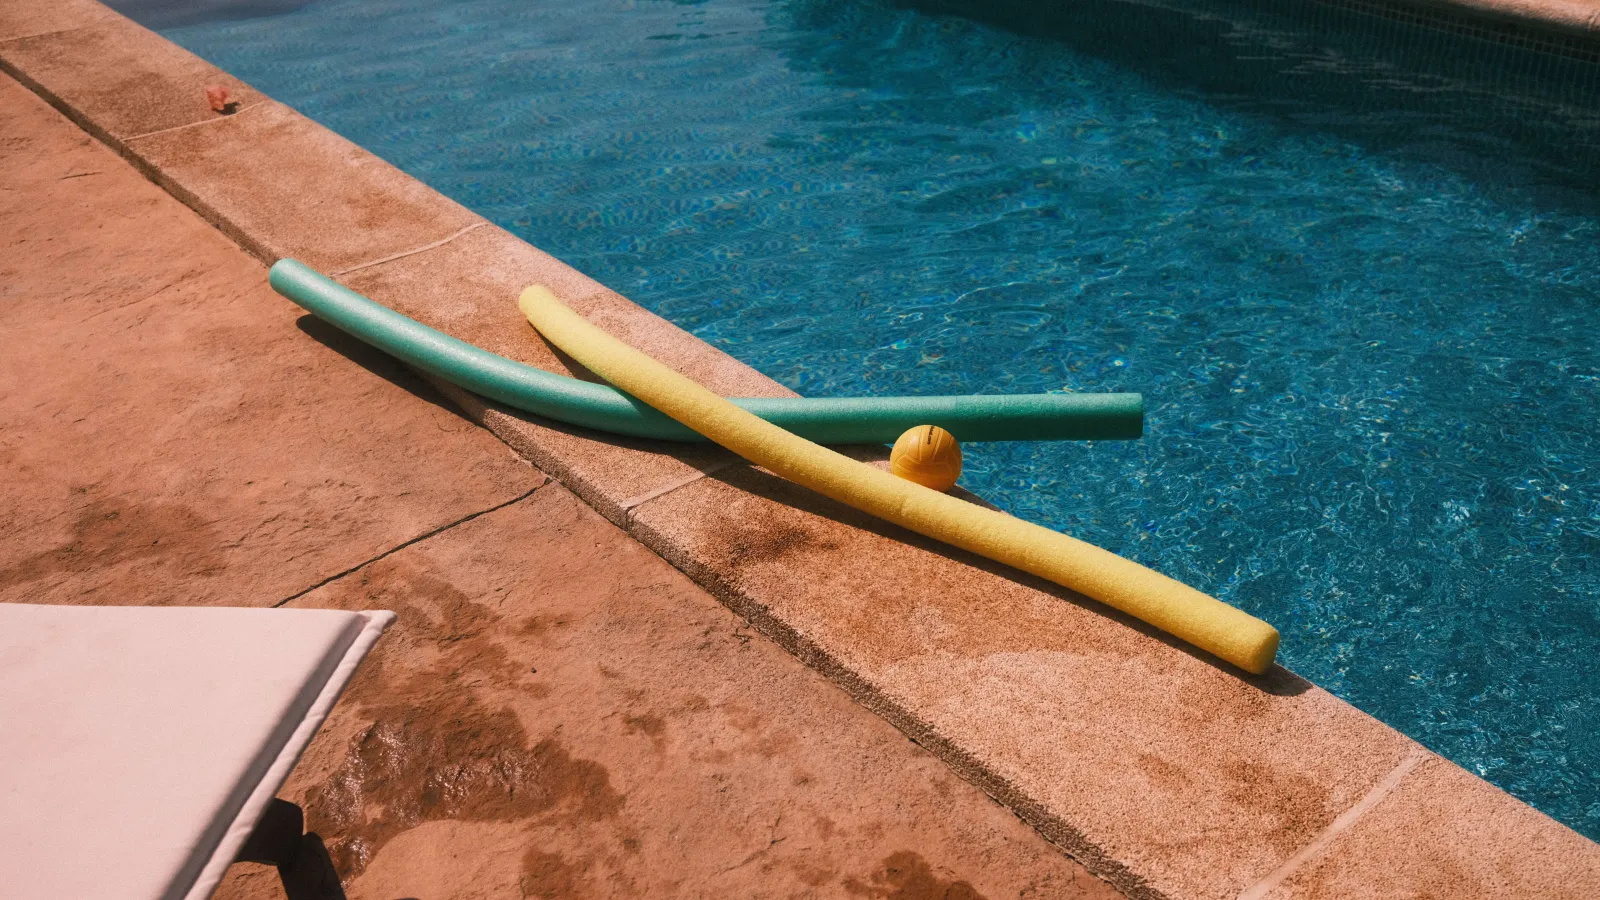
x=433 y=245
x=36 y=34
x=61 y=106
x=267 y=247
x=1346 y=819
x=992 y=775
x=489 y=415
x=221 y=117
x=641 y=499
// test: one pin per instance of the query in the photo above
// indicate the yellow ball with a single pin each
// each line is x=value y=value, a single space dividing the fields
x=927 y=455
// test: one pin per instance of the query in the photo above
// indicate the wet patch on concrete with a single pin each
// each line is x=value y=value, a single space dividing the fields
x=434 y=750
x=1289 y=803
x=557 y=713
x=905 y=875
x=650 y=725
x=754 y=543
x=467 y=763
x=550 y=875
x=121 y=531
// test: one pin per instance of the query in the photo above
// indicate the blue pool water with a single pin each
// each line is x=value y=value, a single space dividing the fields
x=1355 y=270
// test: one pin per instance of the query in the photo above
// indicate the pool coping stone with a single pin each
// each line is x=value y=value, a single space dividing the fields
x=1166 y=772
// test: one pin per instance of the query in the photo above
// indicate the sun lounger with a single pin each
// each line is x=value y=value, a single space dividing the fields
x=141 y=746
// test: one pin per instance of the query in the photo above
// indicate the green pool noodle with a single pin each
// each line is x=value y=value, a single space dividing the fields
x=826 y=420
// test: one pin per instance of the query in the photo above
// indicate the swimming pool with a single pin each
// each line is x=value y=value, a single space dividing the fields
x=1354 y=278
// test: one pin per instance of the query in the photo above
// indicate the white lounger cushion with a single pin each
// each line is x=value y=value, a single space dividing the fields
x=139 y=745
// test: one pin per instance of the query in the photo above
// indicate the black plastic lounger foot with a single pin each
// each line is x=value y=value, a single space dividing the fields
x=276 y=838
x=312 y=876
x=302 y=860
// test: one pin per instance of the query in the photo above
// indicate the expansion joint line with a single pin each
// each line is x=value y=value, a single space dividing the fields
x=1375 y=796
x=628 y=505
x=405 y=253
x=404 y=544
x=233 y=115
x=25 y=37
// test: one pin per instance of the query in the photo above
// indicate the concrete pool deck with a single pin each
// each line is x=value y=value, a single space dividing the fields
x=595 y=723
x=1164 y=772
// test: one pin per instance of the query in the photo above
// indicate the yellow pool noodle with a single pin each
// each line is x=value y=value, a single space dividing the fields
x=1169 y=605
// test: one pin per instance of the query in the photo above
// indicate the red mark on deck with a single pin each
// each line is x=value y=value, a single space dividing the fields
x=217 y=96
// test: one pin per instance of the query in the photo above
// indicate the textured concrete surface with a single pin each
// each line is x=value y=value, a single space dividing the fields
x=155 y=84
x=260 y=175
x=1168 y=774
x=25 y=18
x=252 y=171
x=1444 y=833
x=557 y=712
x=562 y=714
x=169 y=433
x=468 y=288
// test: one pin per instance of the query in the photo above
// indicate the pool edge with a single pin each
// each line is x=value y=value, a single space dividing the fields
x=1384 y=809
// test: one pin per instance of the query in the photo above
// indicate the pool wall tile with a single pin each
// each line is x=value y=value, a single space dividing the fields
x=1167 y=772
